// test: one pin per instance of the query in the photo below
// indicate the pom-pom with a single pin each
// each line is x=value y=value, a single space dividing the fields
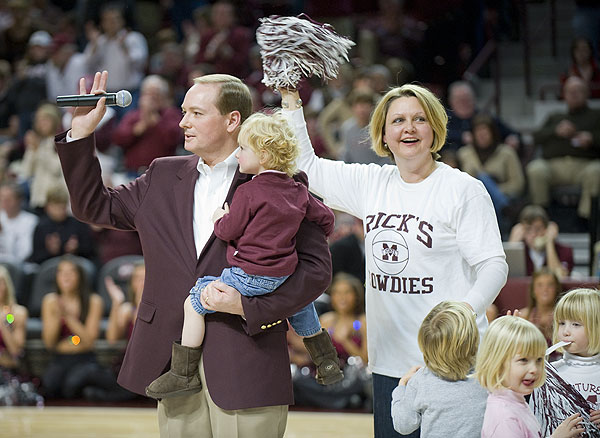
x=293 y=47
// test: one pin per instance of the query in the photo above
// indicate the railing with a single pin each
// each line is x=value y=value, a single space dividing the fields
x=524 y=22
x=487 y=53
x=594 y=233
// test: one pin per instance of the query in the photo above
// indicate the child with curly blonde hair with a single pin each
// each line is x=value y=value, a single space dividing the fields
x=510 y=365
x=260 y=230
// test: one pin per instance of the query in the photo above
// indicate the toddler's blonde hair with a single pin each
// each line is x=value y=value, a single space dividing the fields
x=506 y=337
x=582 y=305
x=448 y=338
x=272 y=135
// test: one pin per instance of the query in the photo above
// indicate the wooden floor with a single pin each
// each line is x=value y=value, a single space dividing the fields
x=77 y=422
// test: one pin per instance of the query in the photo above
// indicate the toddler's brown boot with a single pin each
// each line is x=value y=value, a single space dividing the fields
x=183 y=378
x=325 y=357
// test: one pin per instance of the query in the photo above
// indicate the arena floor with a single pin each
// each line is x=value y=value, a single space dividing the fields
x=90 y=422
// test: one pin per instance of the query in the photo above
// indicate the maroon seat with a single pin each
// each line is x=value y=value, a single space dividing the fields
x=515 y=293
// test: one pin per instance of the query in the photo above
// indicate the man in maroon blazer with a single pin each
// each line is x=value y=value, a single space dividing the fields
x=245 y=368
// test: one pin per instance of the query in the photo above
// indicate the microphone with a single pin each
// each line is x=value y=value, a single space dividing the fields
x=120 y=98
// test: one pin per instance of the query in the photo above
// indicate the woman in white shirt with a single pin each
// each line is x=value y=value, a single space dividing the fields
x=430 y=230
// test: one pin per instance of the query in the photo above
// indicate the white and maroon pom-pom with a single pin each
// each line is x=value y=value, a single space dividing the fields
x=293 y=47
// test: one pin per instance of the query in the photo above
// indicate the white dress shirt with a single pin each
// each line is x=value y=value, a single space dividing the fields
x=16 y=236
x=209 y=194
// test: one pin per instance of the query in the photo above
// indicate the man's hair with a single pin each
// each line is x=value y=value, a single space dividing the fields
x=448 y=338
x=506 y=337
x=234 y=95
x=582 y=305
x=157 y=82
x=15 y=188
x=456 y=85
x=272 y=135
x=531 y=213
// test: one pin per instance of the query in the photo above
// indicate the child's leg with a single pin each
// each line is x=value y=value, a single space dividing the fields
x=192 y=334
x=306 y=321
x=318 y=343
x=183 y=377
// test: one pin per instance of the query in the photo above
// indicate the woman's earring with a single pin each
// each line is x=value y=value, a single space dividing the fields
x=385 y=145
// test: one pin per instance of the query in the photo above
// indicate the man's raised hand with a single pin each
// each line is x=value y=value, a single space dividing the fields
x=86 y=119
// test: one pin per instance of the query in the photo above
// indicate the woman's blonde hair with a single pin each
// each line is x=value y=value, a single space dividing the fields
x=448 y=339
x=505 y=338
x=273 y=136
x=582 y=305
x=10 y=298
x=434 y=112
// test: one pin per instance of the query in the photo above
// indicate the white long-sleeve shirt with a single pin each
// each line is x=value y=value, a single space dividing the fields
x=441 y=408
x=16 y=235
x=427 y=242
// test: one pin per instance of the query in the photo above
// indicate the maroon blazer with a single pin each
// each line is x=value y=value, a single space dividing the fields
x=246 y=362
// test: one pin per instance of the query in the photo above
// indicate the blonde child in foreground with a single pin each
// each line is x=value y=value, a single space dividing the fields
x=260 y=230
x=440 y=397
x=577 y=321
x=510 y=364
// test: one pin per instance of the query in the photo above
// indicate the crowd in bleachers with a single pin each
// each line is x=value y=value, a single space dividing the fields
x=154 y=50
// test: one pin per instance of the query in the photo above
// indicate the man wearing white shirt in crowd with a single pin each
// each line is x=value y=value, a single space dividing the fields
x=116 y=49
x=17 y=225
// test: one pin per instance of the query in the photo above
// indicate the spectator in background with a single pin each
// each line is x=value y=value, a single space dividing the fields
x=348 y=252
x=40 y=166
x=125 y=304
x=28 y=89
x=7 y=131
x=495 y=164
x=225 y=44
x=584 y=65
x=586 y=22
x=463 y=107
x=380 y=78
x=115 y=48
x=312 y=125
x=65 y=66
x=71 y=317
x=338 y=110
x=570 y=149
x=13 y=324
x=541 y=248
x=123 y=313
x=346 y=324
x=330 y=121
x=14 y=38
x=59 y=233
x=152 y=130
x=194 y=29
x=169 y=61
x=354 y=132
x=16 y=225
x=265 y=96
x=544 y=292
x=392 y=33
